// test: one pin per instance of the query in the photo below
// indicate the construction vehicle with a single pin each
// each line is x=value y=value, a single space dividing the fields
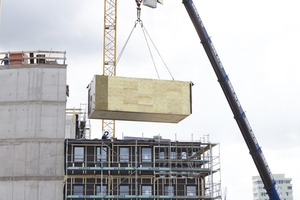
x=239 y=114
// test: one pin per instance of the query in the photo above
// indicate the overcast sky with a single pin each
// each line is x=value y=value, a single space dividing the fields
x=257 y=41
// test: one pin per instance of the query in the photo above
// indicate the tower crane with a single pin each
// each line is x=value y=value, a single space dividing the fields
x=109 y=54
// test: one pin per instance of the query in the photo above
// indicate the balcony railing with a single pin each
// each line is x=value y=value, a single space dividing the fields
x=38 y=57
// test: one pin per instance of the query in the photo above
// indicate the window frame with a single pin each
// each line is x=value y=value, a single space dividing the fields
x=167 y=191
x=124 y=158
x=76 y=156
x=101 y=154
x=161 y=155
x=147 y=192
x=173 y=155
x=122 y=193
x=188 y=190
x=146 y=160
x=77 y=193
x=99 y=191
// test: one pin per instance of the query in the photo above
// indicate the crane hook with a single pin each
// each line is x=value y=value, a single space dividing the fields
x=138 y=3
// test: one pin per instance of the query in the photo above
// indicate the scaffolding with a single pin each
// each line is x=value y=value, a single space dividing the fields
x=82 y=125
x=141 y=168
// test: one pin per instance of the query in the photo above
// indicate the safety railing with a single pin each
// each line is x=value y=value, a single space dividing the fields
x=38 y=57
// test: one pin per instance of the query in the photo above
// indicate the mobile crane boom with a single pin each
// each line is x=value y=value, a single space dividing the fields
x=239 y=114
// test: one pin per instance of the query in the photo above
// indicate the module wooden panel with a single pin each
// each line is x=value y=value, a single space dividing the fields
x=137 y=99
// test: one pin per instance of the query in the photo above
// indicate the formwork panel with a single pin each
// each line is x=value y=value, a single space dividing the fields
x=136 y=99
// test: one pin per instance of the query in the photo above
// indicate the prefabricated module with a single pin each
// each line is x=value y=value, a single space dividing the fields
x=139 y=99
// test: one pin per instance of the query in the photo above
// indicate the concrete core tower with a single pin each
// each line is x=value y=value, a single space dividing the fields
x=32 y=125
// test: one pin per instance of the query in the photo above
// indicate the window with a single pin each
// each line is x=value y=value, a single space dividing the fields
x=258 y=182
x=147 y=190
x=183 y=155
x=101 y=154
x=190 y=190
x=289 y=187
x=169 y=190
x=124 y=154
x=124 y=190
x=78 y=154
x=101 y=191
x=147 y=155
x=161 y=155
x=280 y=181
x=263 y=194
x=78 y=190
x=173 y=155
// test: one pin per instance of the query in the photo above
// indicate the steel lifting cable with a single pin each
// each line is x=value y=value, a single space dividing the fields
x=122 y=51
x=145 y=33
x=138 y=21
x=157 y=52
x=150 y=51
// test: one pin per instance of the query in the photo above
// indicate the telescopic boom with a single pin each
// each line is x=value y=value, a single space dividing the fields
x=239 y=114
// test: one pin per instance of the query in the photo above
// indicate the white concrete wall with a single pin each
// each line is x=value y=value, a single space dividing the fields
x=31 y=189
x=70 y=127
x=32 y=132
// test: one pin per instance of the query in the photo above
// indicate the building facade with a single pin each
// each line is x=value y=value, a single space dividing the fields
x=284 y=184
x=140 y=168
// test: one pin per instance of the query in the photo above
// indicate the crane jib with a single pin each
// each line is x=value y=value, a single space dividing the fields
x=239 y=114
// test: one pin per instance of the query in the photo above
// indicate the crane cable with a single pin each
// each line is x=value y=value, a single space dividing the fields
x=157 y=52
x=149 y=50
x=145 y=32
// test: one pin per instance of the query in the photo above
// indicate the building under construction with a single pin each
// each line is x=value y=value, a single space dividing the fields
x=140 y=168
x=32 y=124
x=48 y=155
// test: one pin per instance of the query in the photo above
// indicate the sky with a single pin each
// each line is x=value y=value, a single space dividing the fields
x=257 y=41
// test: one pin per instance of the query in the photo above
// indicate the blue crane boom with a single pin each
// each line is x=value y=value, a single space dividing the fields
x=239 y=114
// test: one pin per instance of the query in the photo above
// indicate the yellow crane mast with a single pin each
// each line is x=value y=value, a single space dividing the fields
x=109 y=53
